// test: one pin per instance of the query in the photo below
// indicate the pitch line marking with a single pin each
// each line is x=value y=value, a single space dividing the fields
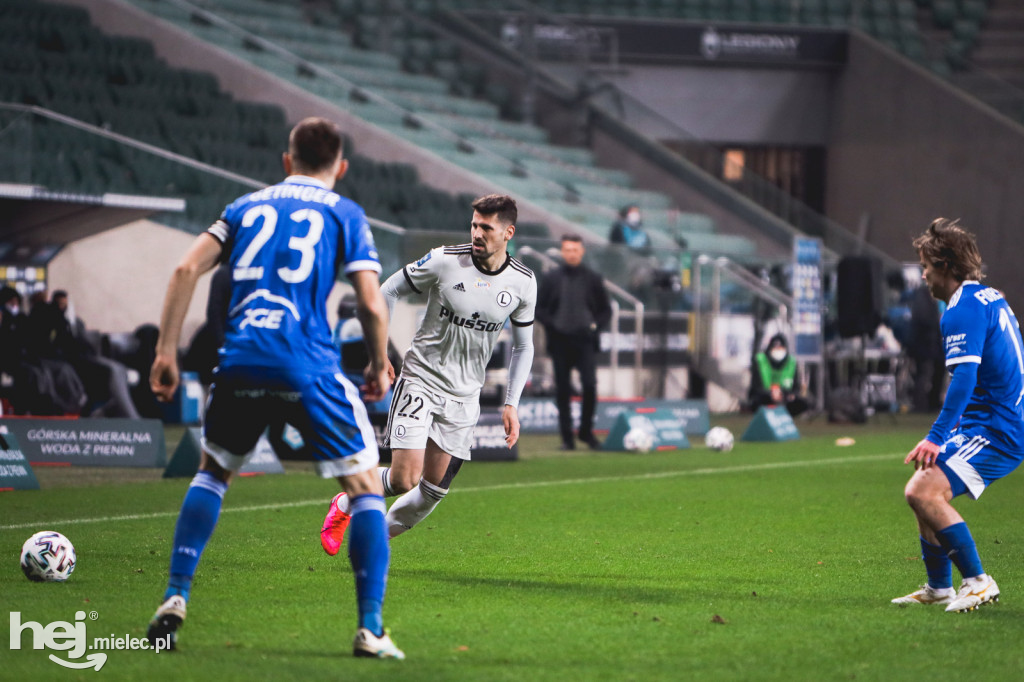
x=767 y=466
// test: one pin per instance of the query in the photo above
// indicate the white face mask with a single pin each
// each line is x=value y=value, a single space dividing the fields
x=633 y=218
x=778 y=354
x=13 y=308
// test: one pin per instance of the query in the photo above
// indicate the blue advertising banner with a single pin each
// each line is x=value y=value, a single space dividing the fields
x=540 y=415
x=807 y=298
x=15 y=471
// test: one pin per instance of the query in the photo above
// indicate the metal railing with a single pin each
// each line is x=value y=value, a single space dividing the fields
x=618 y=293
x=585 y=81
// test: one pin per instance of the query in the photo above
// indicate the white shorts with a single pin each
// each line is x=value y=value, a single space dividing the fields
x=417 y=413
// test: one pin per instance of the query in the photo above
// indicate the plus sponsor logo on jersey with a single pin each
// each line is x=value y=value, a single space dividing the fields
x=472 y=322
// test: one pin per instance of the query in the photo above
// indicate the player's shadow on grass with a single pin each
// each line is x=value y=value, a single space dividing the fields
x=601 y=588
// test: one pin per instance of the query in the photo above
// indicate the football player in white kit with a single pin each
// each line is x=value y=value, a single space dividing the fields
x=472 y=290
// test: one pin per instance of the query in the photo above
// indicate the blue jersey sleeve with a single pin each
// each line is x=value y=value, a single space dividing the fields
x=358 y=248
x=961 y=386
x=964 y=326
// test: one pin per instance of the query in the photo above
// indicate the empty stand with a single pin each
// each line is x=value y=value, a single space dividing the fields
x=395 y=73
x=52 y=56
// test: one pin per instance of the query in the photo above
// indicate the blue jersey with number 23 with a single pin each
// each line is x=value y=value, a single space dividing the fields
x=286 y=245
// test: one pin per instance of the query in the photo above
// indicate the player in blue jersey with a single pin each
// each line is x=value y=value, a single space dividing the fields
x=978 y=436
x=285 y=246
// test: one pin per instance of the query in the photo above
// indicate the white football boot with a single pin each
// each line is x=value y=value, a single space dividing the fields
x=928 y=595
x=166 y=621
x=367 y=644
x=974 y=592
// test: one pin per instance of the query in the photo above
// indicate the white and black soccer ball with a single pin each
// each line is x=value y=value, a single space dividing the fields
x=47 y=557
x=719 y=439
x=638 y=439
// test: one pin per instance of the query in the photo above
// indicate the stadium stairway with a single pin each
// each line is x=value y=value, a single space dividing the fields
x=421 y=108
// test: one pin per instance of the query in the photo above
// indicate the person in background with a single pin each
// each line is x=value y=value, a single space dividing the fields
x=925 y=350
x=775 y=380
x=629 y=230
x=573 y=306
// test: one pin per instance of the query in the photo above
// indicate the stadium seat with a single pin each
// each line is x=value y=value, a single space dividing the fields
x=944 y=13
x=974 y=10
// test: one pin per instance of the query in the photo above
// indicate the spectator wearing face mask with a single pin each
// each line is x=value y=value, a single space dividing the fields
x=774 y=380
x=629 y=230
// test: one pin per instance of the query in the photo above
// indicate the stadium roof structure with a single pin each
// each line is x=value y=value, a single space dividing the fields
x=35 y=215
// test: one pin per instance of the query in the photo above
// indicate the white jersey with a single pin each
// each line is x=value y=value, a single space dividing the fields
x=467 y=308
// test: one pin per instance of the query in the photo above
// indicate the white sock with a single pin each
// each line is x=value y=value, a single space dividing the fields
x=413 y=507
x=345 y=502
x=385 y=480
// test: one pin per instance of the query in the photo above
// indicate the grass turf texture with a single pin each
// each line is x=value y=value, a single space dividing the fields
x=776 y=561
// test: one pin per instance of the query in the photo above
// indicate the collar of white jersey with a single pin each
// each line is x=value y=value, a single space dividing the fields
x=305 y=180
x=501 y=268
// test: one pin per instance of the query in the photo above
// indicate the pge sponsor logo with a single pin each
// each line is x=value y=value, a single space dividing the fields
x=262 y=318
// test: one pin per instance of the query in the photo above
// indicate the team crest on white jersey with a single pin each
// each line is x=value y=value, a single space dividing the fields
x=504 y=298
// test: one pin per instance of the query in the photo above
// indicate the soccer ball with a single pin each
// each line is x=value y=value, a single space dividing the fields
x=47 y=556
x=638 y=440
x=719 y=439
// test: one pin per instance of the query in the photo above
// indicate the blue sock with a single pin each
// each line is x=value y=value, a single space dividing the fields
x=196 y=521
x=937 y=564
x=369 y=552
x=960 y=547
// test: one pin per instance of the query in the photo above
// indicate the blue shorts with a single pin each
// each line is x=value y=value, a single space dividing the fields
x=971 y=462
x=326 y=409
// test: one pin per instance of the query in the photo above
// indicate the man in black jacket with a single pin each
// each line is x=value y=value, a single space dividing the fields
x=573 y=306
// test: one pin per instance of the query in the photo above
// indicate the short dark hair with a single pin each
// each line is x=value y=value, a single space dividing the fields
x=949 y=247
x=572 y=237
x=58 y=293
x=7 y=293
x=501 y=204
x=626 y=209
x=314 y=144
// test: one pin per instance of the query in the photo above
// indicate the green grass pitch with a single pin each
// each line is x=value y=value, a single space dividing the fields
x=776 y=561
